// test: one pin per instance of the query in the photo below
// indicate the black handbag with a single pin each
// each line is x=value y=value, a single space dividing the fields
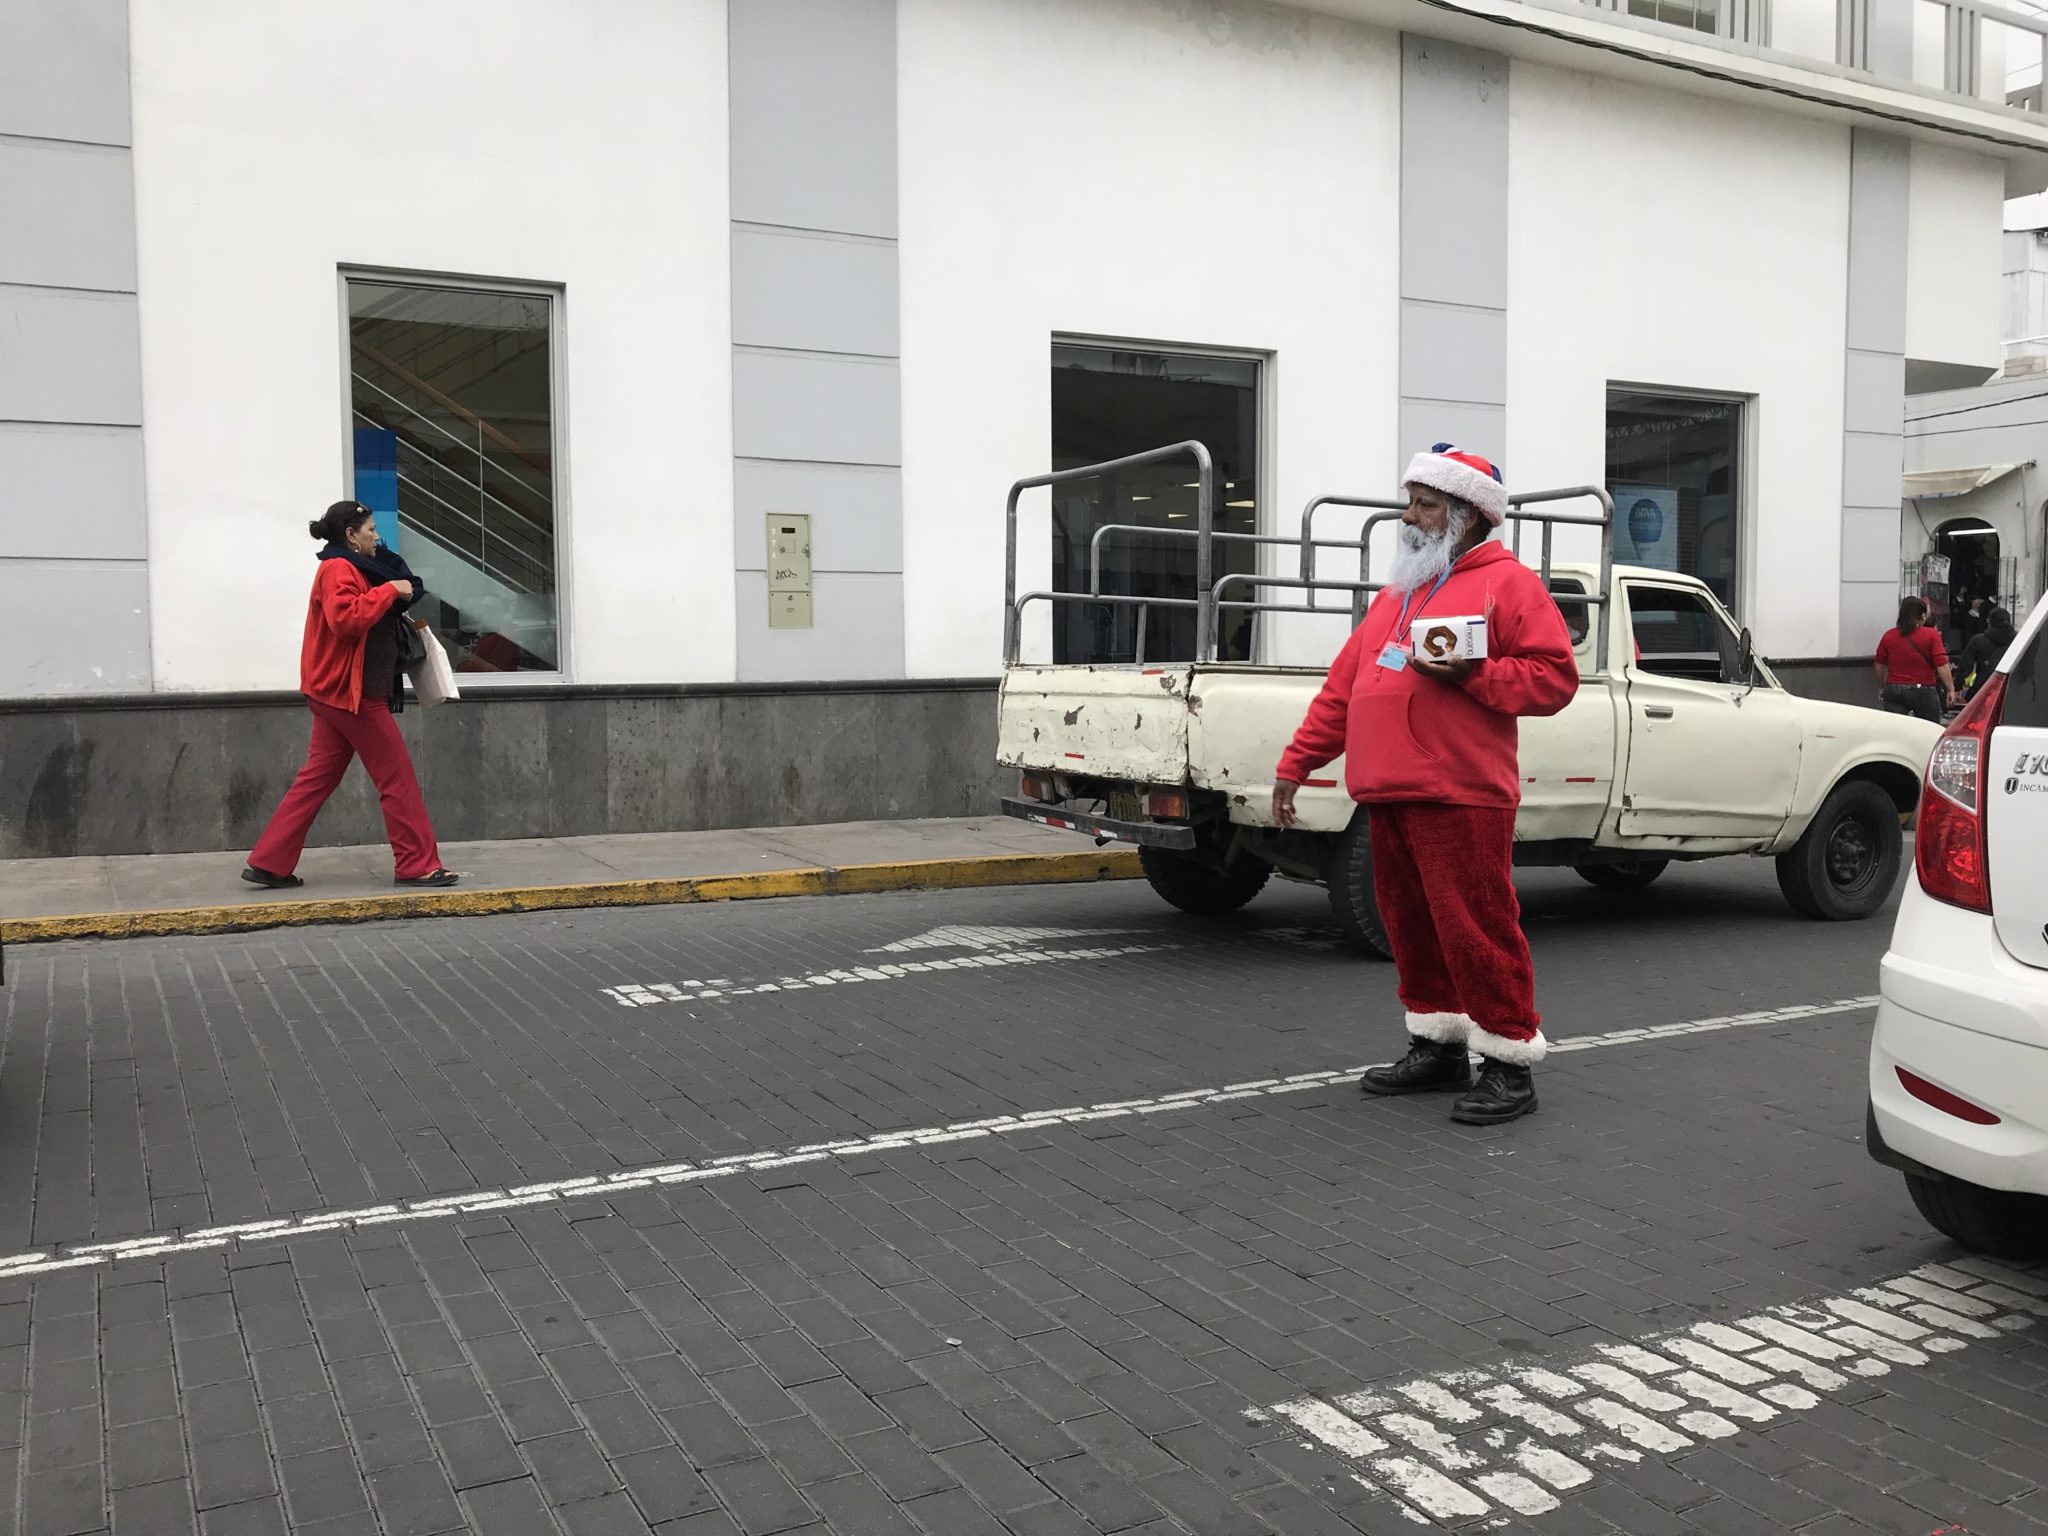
x=412 y=650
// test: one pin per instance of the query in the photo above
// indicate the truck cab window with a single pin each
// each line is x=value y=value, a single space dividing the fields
x=1678 y=633
x=1578 y=617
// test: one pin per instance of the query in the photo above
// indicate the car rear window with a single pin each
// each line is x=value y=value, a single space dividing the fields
x=2026 y=689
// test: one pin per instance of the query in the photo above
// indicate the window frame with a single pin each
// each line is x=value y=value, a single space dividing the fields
x=1730 y=627
x=1265 y=424
x=1741 y=480
x=1579 y=615
x=556 y=295
x=1746 y=22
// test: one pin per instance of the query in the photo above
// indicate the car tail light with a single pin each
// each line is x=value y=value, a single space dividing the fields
x=1949 y=852
x=1167 y=804
x=1948 y=1103
x=1035 y=788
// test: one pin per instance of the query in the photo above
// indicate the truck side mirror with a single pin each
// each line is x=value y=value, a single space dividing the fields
x=1745 y=659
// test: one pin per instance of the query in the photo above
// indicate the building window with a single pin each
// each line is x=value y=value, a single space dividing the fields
x=1693 y=15
x=1740 y=21
x=1108 y=402
x=1674 y=468
x=452 y=403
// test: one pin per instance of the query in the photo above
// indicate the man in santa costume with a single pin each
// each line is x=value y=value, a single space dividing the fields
x=1429 y=748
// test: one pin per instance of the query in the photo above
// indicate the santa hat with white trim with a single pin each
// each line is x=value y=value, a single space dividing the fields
x=1463 y=475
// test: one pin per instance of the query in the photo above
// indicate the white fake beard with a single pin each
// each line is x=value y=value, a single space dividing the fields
x=1420 y=558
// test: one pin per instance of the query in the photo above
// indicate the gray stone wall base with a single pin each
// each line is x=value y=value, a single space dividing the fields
x=1838 y=679
x=200 y=774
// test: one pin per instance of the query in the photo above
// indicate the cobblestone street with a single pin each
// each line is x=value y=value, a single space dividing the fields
x=1034 y=1211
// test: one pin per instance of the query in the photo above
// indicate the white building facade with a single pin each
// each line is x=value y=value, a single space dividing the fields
x=1974 y=515
x=583 y=297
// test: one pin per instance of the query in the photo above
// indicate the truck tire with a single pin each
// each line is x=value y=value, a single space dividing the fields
x=1622 y=877
x=1993 y=1222
x=1847 y=862
x=1203 y=889
x=1352 y=901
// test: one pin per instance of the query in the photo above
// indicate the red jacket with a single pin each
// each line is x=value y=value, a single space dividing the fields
x=339 y=616
x=1404 y=736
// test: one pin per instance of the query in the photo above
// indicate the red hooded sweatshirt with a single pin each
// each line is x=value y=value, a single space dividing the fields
x=1405 y=736
x=339 y=617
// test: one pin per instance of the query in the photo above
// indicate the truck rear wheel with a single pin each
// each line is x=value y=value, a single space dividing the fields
x=1622 y=877
x=1848 y=861
x=1352 y=901
x=1203 y=889
x=1994 y=1222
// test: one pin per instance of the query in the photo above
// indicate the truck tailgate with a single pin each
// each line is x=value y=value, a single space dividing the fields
x=1243 y=718
x=1112 y=722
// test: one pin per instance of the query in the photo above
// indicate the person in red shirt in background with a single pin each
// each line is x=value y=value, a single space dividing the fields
x=1430 y=749
x=1913 y=674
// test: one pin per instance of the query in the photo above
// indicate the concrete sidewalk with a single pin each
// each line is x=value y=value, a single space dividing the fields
x=47 y=899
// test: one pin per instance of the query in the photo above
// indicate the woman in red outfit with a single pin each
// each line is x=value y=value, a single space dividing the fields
x=351 y=672
x=1911 y=661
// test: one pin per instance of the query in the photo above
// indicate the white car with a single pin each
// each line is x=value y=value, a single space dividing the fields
x=1959 y=1060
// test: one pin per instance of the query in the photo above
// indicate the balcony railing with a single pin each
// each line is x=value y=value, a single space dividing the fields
x=1989 y=54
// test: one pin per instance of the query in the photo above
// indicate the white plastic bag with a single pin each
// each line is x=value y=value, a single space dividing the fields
x=433 y=678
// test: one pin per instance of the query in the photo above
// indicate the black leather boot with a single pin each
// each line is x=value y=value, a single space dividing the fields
x=1428 y=1066
x=1502 y=1093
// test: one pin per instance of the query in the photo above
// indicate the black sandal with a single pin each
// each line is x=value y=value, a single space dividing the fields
x=438 y=878
x=270 y=882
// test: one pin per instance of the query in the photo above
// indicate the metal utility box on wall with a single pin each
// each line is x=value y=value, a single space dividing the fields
x=789 y=570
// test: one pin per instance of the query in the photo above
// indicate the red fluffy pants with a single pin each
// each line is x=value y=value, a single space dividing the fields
x=338 y=738
x=1444 y=878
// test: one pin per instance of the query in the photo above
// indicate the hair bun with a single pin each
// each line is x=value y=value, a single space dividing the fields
x=318 y=528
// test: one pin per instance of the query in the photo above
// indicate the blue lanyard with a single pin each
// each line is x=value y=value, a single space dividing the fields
x=1401 y=624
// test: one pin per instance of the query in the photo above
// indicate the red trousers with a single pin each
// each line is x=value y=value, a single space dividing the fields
x=1443 y=876
x=338 y=738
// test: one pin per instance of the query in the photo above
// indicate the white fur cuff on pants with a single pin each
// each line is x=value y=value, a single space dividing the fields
x=1444 y=1028
x=1515 y=1053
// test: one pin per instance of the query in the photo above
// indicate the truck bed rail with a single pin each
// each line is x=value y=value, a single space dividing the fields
x=1211 y=593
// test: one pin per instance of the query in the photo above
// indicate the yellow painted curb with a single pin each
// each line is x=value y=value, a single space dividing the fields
x=846 y=880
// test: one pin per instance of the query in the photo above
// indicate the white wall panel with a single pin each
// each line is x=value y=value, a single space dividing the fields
x=435 y=156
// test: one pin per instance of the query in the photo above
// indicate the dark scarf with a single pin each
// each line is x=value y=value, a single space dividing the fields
x=381 y=569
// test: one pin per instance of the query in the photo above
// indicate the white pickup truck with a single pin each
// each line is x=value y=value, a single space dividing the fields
x=1680 y=745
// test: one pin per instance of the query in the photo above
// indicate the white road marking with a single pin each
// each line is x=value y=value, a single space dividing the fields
x=1711 y=1360
x=1553 y=1467
x=1429 y=1489
x=1336 y=1429
x=1723 y=1337
x=1434 y=1443
x=1517 y=1493
x=1549 y=1383
x=1503 y=1471
x=1630 y=1389
x=1632 y=1426
x=649 y=995
x=995 y=936
x=1785 y=1363
x=1638 y=1359
x=1719 y=1395
x=1538 y=1416
x=79 y=1255
x=1442 y=1402
x=1787 y=1396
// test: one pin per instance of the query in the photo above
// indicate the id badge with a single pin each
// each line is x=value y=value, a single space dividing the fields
x=1393 y=658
